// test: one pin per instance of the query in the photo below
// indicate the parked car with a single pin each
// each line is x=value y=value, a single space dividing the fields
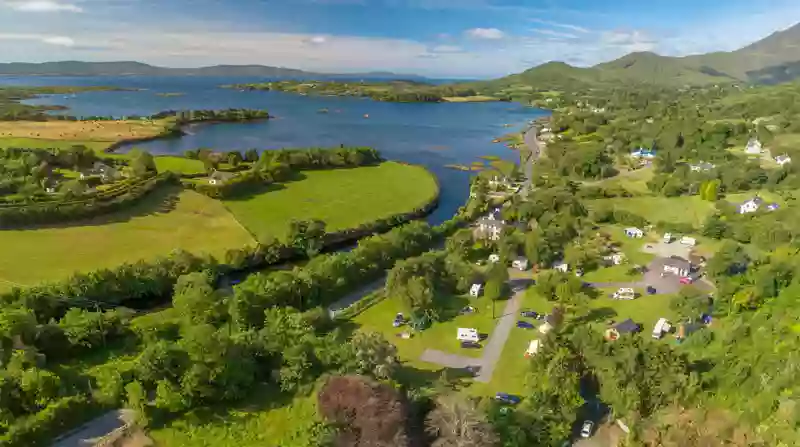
x=686 y=280
x=470 y=344
x=587 y=429
x=399 y=320
x=651 y=290
x=507 y=398
x=529 y=314
x=524 y=325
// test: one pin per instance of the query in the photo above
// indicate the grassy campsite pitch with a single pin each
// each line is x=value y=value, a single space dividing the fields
x=342 y=198
x=165 y=220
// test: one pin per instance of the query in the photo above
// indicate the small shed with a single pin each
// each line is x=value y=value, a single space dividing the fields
x=678 y=266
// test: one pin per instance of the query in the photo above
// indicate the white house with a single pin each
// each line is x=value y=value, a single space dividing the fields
x=561 y=266
x=678 y=266
x=753 y=147
x=499 y=182
x=520 y=264
x=490 y=227
x=219 y=177
x=647 y=154
x=615 y=259
x=476 y=290
x=783 y=159
x=750 y=206
x=634 y=232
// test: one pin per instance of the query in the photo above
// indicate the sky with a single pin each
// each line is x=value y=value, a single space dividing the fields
x=436 y=38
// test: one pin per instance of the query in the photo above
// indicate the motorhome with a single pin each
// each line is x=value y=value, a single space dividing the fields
x=468 y=334
x=661 y=327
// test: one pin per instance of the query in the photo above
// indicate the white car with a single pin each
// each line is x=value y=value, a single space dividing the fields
x=586 y=429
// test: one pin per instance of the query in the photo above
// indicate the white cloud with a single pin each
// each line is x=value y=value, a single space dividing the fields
x=447 y=49
x=576 y=28
x=50 y=40
x=41 y=6
x=549 y=32
x=485 y=33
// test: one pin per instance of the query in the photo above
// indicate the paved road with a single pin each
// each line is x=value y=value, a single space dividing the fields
x=491 y=351
x=498 y=338
x=88 y=434
x=536 y=151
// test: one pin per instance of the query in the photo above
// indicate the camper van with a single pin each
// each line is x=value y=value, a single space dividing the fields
x=667 y=238
x=662 y=327
x=690 y=241
x=465 y=334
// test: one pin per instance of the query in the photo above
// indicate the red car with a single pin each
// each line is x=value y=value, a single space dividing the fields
x=686 y=280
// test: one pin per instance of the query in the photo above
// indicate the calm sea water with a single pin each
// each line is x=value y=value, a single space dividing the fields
x=433 y=135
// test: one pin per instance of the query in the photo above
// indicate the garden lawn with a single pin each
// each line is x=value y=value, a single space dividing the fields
x=342 y=198
x=265 y=419
x=440 y=335
x=179 y=165
x=691 y=209
x=165 y=220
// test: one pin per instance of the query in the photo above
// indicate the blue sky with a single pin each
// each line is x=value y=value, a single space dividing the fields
x=442 y=38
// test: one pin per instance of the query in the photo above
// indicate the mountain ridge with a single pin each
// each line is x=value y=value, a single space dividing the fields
x=135 y=68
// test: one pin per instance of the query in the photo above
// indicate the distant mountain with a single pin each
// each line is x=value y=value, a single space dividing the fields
x=130 y=68
x=773 y=59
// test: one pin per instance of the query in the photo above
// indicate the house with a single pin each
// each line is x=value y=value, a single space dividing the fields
x=647 y=154
x=102 y=170
x=476 y=290
x=615 y=259
x=753 y=147
x=220 y=177
x=490 y=227
x=520 y=263
x=634 y=232
x=499 y=182
x=783 y=159
x=701 y=167
x=750 y=206
x=677 y=266
x=494 y=258
x=561 y=266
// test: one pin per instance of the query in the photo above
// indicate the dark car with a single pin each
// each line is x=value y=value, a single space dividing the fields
x=399 y=320
x=651 y=290
x=529 y=314
x=470 y=344
x=524 y=325
x=507 y=398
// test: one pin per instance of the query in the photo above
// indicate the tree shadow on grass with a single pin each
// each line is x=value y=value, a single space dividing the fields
x=596 y=315
x=263 y=397
x=451 y=307
x=161 y=200
x=255 y=191
x=452 y=378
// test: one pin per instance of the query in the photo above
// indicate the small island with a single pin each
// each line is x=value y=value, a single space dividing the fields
x=389 y=91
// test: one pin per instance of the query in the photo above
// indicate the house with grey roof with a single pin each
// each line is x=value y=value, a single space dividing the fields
x=491 y=228
x=677 y=266
x=750 y=206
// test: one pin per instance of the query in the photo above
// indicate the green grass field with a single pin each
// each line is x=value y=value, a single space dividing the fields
x=266 y=419
x=180 y=165
x=342 y=198
x=441 y=335
x=690 y=210
x=167 y=219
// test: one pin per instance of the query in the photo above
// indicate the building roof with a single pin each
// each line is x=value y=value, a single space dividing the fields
x=677 y=261
x=222 y=175
x=491 y=223
x=627 y=326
